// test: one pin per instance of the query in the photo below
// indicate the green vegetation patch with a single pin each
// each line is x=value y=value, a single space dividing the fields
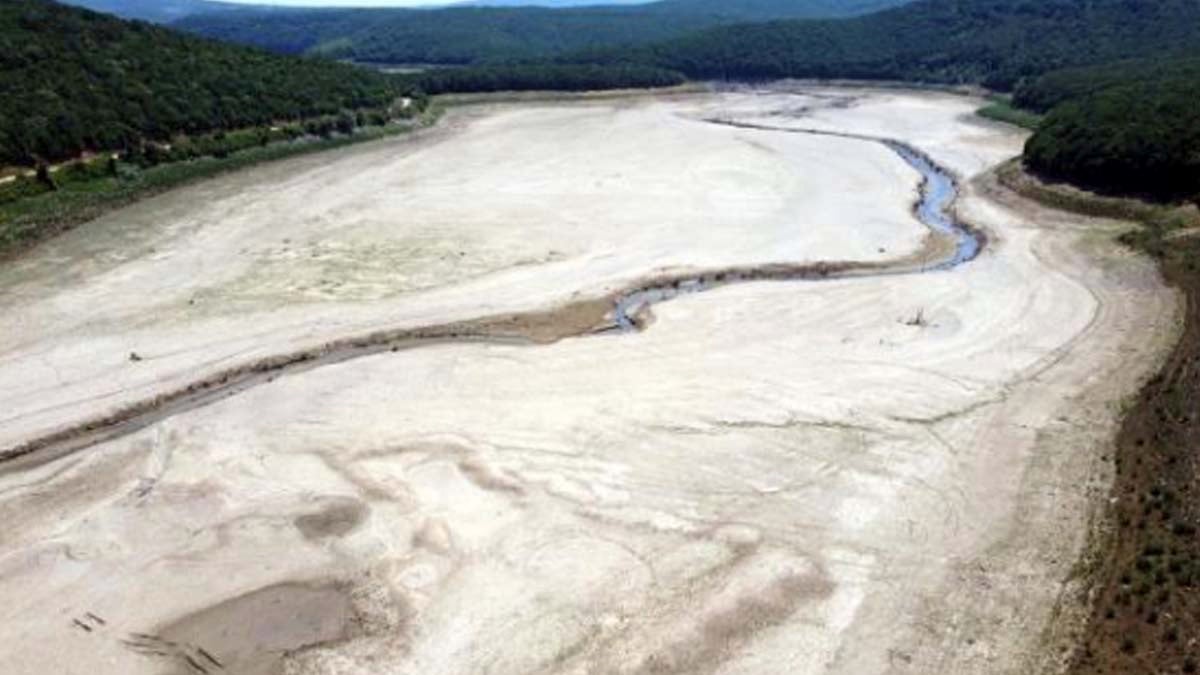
x=1138 y=137
x=1002 y=110
x=72 y=80
x=1042 y=93
x=549 y=77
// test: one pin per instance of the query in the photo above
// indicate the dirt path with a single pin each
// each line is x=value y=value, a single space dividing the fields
x=774 y=478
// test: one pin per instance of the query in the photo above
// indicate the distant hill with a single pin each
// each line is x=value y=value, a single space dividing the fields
x=474 y=35
x=1120 y=79
x=157 y=11
x=545 y=3
x=994 y=42
x=1043 y=93
x=74 y=80
x=166 y=11
x=777 y=9
x=741 y=8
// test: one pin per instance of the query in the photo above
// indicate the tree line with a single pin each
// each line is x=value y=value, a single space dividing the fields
x=555 y=77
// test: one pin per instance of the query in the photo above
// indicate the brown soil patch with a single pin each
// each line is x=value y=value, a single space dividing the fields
x=1146 y=612
x=336 y=519
x=1145 y=566
x=252 y=633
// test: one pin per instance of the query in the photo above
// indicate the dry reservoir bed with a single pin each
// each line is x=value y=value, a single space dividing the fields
x=879 y=474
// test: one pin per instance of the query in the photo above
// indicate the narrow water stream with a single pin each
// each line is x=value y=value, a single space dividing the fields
x=934 y=208
x=938 y=192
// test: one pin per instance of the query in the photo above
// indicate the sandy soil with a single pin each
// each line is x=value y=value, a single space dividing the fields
x=774 y=477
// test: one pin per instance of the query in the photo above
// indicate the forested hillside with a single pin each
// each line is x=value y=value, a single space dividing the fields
x=467 y=35
x=541 y=77
x=452 y=36
x=776 y=9
x=546 y=3
x=994 y=42
x=74 y=80
x=1042 y=93
x=160 y=11
x=1130 y=127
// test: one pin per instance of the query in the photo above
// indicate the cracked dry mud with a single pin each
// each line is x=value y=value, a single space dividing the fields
x=772 y=477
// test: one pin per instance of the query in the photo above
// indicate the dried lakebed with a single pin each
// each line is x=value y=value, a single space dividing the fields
x=937 y=191
x=934 y=208
x=886 y=471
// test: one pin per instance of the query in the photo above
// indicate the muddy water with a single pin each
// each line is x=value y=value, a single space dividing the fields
x=250 y=634
x=934 y=209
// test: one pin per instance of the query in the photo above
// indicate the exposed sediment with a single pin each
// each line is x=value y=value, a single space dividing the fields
x=885 y=471
x=619 y=311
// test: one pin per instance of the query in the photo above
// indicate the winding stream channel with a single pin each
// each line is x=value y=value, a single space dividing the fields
x=934 y=209
x=619 y=312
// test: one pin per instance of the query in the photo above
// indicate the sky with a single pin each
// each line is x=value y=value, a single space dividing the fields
x=344 y=3
x=400 y=3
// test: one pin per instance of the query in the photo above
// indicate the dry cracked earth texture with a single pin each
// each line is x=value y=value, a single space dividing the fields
x=884 y=474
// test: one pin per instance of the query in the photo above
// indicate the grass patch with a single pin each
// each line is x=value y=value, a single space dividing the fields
x=1001 y=109
x=1159 y=221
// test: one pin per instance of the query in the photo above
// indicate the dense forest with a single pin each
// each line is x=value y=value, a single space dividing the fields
x=543 y=77
x=1042 y=93
x=73 y=80
x=477 y=35
x=993 y=42
x=160 y=11
x=1127 y=128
